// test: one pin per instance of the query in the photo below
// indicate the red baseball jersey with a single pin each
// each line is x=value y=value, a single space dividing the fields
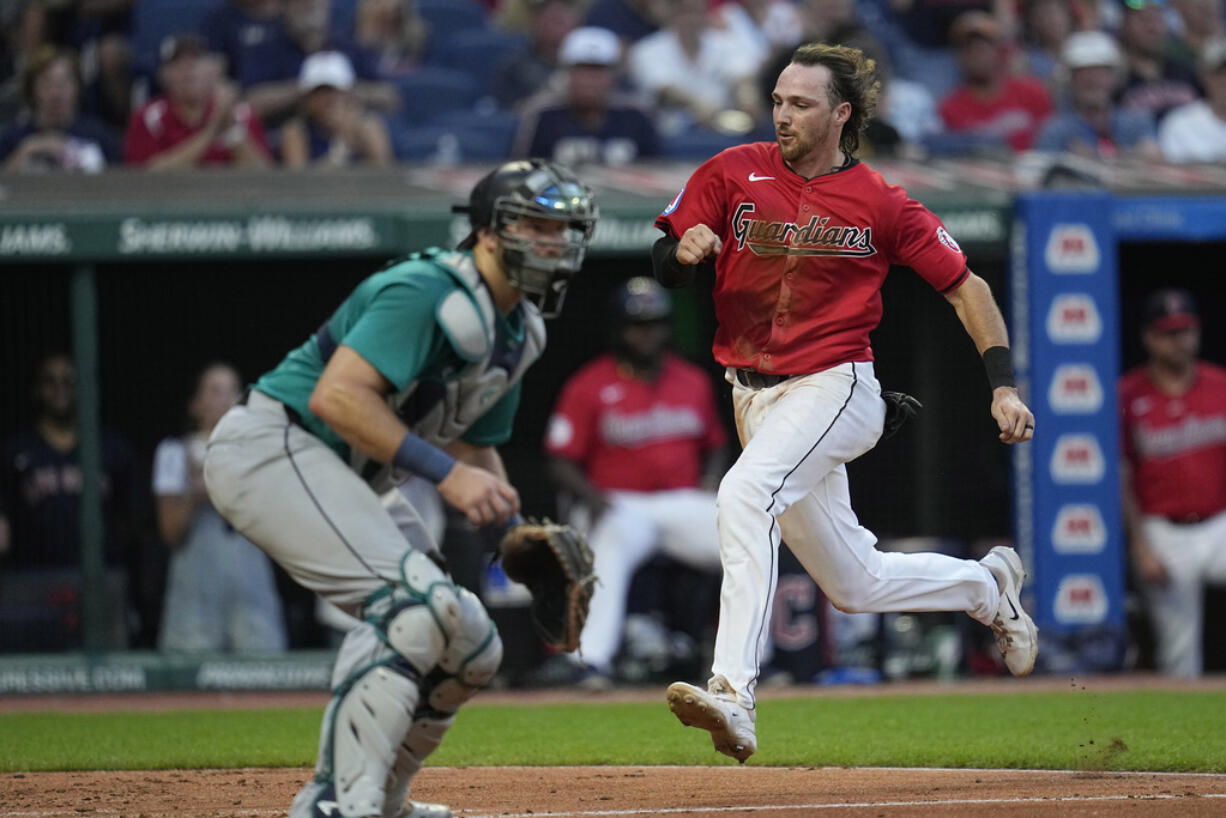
x=1016 y=113
x=1176 y=446
x=636 y=435
x=798 y=281
x=156 y=127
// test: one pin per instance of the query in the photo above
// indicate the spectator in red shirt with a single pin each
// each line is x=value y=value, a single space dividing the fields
x=989 y=103
x=198 y=121
x=1173 y=424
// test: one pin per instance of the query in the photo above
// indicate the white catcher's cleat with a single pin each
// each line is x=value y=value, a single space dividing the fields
x=1016 y=635
x=420 y=809
x=716 y=711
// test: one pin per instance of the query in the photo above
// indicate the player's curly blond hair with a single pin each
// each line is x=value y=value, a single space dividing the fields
x=853 y=79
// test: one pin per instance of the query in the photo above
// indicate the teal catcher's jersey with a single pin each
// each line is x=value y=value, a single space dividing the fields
x=429 y=325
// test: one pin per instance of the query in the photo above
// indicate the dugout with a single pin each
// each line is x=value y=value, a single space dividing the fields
x=1082 y=263
x=147 y=283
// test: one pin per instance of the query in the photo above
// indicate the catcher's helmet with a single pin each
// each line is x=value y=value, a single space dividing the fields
x=641 y=299
x=540 y=189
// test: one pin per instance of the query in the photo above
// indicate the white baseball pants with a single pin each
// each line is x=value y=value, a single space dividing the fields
x=679 y=523
x=790 y=484
x=1192 y=555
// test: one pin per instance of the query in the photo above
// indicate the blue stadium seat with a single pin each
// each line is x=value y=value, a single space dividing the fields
x=476 y=51
x=344 y=18
x=699 y=144
x=429 y=91
x=444 y=144
x=448 y=16
x=497 y=125
x=955 y=143
x=155 y=20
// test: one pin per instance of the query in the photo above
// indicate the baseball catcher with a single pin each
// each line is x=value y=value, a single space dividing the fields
x=555 y=563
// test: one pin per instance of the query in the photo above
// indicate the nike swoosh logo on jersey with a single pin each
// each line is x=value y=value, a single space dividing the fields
x=1015 y=616
x=754 y=177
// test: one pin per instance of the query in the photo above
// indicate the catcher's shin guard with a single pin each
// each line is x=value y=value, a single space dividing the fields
x=407 y=630
x=369 y=724
x=424 y=737
x=471 y=659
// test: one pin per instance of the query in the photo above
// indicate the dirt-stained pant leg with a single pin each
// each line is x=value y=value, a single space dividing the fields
x=790 y=483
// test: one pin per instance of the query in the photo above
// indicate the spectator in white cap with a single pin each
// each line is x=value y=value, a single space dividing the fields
x=1091 y=124
x=331 y=127
x=588 y=120
x=1196 y=132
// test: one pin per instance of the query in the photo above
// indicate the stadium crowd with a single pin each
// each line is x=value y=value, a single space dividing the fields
x=86 y=84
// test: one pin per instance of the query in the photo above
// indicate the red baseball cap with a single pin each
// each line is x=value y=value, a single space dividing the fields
x=1170 y=309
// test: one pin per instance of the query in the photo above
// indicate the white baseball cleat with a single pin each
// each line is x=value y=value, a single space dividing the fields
x=716 y=711
x=420 y=809
x=1016 y=635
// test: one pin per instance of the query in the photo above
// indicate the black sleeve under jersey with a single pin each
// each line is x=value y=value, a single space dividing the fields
x=668 y=270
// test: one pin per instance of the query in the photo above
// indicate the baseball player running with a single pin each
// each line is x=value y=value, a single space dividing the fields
x=801 y=236
x=417 y=372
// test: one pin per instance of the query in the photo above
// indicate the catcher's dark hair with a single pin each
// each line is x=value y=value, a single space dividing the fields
x=853 y=79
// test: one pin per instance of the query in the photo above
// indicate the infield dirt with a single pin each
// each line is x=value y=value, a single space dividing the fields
x=698 y=792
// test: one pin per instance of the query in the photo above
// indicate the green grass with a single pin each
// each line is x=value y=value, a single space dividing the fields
x=1146 y=730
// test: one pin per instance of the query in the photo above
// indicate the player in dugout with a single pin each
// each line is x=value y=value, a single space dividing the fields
x=1173 y=426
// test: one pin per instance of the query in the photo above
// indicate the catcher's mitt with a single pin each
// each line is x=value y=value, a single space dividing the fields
x=899 y=408
x=555 y=562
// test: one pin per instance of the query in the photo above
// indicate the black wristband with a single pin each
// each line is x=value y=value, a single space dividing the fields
x=998 y=361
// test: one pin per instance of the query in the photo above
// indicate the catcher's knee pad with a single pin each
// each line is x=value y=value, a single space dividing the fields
x=470 y=660
x=418 y=617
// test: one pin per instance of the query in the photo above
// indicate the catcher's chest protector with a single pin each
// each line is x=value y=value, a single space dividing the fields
x=493 y=363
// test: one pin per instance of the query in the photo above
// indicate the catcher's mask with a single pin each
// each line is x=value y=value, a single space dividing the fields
x=541 y=269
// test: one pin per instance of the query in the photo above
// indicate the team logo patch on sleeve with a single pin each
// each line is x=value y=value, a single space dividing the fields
x=673 y=204
x=948 y=240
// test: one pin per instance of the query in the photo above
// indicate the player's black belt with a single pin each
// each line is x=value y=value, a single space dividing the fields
x=290 y=412
x=1185 y=519
x=759 y=380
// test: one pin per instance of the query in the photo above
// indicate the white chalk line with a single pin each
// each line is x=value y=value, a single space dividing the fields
x=944 y=802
